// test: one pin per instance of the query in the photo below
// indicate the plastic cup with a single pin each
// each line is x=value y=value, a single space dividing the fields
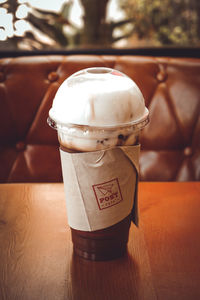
x=111 y=242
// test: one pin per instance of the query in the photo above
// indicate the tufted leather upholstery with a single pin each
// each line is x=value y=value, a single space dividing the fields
x=170 y=143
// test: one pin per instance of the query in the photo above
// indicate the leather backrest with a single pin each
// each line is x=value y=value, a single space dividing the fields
x=170 y=143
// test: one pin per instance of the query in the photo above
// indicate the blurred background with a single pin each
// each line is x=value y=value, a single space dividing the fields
x=98 y=24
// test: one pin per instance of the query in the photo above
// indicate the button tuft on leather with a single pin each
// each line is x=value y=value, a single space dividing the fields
x=53 y=76
x=20 y=146
x=2 y=77
x=187 y=151
x=161 y=76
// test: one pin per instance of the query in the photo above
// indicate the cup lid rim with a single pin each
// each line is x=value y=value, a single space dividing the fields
x=138 y=124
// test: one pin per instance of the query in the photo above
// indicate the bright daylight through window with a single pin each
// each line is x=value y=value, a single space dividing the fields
x=94 y=24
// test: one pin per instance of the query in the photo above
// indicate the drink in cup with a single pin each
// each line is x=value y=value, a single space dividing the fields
x=98 y=112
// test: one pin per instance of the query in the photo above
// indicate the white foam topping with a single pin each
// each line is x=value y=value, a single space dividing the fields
x=98 y=97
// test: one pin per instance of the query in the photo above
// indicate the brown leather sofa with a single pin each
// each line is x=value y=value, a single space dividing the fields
x=170 y=143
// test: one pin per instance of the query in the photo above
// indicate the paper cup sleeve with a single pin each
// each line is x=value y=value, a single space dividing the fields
x=101 y=186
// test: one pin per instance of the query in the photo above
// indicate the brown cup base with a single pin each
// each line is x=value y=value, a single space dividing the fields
x=101 y=256
x=105 y=244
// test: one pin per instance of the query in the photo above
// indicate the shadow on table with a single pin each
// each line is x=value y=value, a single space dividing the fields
x=104 y=280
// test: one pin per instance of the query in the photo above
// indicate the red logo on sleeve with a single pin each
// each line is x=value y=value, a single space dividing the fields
x=107 y=193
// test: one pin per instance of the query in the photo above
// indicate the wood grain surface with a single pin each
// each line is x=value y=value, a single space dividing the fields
x=36 y=254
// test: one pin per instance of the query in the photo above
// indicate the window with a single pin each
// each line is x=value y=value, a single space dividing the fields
x=92 y=24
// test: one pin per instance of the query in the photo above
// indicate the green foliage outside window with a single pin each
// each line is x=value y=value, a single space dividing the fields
x=166 y=22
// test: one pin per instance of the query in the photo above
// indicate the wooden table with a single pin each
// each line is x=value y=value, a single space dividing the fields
x=37 y=261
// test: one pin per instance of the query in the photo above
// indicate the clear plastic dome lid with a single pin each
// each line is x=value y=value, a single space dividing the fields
x=99 y=97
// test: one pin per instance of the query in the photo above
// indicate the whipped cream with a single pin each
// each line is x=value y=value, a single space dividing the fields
x=98 y=108
x=98 y=97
